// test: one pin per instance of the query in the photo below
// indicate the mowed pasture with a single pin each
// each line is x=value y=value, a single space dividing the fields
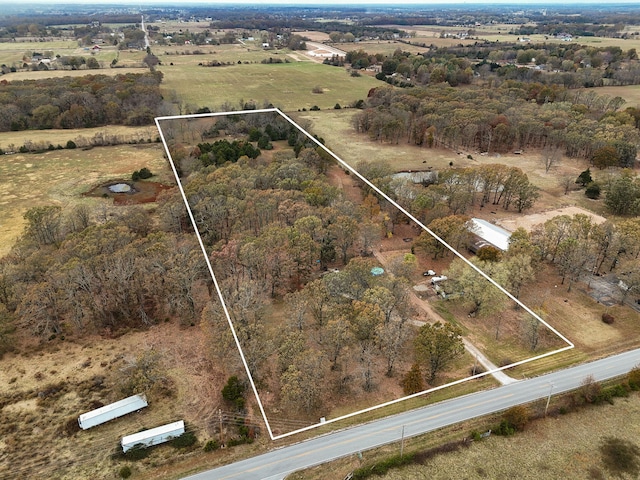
x=37 y=75
x=630 y=93
x=287 y=86
x=81 y=136
x=13 y=52
x=185 y=55
x=61 y=177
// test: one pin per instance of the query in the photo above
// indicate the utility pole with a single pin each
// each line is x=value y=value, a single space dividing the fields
x=402 y=442
x=221 y=434
x=548 y=399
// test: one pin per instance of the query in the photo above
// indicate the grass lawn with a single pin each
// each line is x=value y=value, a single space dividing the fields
x=287 y=86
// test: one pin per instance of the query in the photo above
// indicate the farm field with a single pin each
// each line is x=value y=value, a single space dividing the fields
x=16 y=53
x=190 y=55
x=336 y=128
x=559 y=446
x=13 y=52
x=61 y=177
x=57 y=137
x=631 y=94
x=429 y=34
x=70 y=73
x=287 y=86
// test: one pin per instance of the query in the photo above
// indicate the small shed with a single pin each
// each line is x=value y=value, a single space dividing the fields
x=153 y=436
x=111 y=411
x=488 y=234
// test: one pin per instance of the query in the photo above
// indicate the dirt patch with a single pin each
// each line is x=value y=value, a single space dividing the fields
x=313 y=35
x=529 y=221
x=140 y=192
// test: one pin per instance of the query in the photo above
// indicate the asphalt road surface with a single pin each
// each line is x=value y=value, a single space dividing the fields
x=276 y=464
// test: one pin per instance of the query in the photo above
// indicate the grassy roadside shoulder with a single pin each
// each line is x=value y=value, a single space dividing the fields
x=598 y=425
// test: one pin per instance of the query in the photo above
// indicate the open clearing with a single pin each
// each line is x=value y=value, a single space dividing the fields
x=287 y=86
x=80 y=136
x=61 y=177
x=44 y=392
x=529 y=221
x=9 y=77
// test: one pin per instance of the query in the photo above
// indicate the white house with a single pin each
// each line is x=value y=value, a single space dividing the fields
x=153 y=436
x=111 y=411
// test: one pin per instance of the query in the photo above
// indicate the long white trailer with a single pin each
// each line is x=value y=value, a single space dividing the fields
x=111 y=411
x=153 y=436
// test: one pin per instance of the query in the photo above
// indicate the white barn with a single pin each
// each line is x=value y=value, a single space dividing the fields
x=153 y=436
x=111 y=411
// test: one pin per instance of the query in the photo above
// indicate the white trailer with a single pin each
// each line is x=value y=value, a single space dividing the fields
x=153 y=436
x=111 y=411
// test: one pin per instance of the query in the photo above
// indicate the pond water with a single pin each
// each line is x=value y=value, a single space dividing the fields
x=120 y=188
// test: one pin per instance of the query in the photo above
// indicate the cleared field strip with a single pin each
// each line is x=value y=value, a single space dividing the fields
x=288 y=85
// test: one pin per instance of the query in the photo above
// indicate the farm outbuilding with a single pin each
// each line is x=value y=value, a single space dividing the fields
x=487 y=234
x=153 y=436
x=111 y=411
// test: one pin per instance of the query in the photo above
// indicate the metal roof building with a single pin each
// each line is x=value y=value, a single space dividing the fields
x=111 y=411
x=492 y=234
x=153 y=436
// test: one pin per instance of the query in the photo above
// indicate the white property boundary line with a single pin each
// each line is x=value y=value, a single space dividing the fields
x=569 y=346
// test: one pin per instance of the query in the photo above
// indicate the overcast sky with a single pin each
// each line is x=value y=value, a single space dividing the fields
x=324 y=2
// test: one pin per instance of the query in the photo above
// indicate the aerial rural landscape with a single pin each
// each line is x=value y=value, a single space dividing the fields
x=319 y=241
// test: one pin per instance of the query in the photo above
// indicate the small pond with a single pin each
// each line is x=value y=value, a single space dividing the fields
x=120 y=188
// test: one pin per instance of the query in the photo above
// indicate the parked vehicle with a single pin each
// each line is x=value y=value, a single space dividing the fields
x=435 y=280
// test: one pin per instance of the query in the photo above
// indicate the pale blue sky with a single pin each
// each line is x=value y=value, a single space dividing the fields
x=325 y=2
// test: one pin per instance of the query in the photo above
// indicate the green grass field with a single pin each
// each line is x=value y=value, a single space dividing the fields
x=183 y=54
x=287 y=86
x=11 y=52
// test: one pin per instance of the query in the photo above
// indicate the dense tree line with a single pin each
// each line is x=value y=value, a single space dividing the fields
x=81 y=102
x=579 y=246
x=515 y=116
x=570 y=65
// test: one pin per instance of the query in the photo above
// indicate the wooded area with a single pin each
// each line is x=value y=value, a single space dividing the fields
x=81 y=102
x=515 y=116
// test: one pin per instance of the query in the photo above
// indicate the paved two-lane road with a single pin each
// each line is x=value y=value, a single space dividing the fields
x=277 y=463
